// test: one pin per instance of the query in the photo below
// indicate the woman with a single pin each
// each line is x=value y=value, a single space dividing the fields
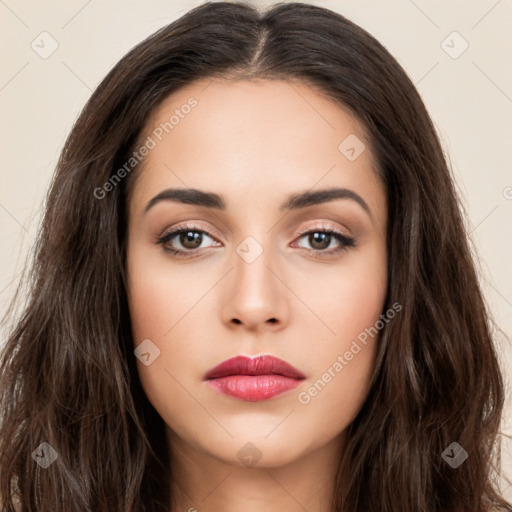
x=252 y=288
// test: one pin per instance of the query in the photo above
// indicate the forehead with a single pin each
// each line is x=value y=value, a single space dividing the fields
x=252 y=137
x=278 y=113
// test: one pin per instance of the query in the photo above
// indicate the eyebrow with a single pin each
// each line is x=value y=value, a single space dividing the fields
x=294 y=201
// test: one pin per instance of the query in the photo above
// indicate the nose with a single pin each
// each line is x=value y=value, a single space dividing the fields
x=255 y=295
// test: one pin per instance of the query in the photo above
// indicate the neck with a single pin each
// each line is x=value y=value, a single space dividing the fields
x=204 y=483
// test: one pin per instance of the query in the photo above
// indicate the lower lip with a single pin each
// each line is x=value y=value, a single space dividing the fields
x=253 y=388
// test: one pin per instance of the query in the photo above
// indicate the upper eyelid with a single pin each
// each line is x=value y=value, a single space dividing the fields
x=300 y=233
x=194 y=227
x=319 y=227
x=185 y=227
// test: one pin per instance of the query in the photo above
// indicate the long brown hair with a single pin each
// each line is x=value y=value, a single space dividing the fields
x=68 y=376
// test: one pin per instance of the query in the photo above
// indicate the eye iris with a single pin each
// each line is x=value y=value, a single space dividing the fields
x=191 y=239
x=319 y=238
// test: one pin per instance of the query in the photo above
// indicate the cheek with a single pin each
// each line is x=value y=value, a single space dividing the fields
x=354 y=298
x=343 y=360
x=165 y=303
x=159 y=299
x=160 y=295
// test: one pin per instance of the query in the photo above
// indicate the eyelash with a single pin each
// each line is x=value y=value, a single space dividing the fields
x=345 y=241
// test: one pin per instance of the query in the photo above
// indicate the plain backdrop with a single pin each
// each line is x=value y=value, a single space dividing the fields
x=456 y=52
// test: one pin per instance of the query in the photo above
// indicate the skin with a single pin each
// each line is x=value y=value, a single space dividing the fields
x=255 y=143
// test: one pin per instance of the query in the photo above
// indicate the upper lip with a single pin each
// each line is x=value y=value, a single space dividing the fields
x=261 y=365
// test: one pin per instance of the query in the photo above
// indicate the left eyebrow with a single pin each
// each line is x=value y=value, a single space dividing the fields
x=309 y=198
x=294 y=201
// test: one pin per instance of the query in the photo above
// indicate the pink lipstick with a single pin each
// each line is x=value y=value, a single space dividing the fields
x=253 y=380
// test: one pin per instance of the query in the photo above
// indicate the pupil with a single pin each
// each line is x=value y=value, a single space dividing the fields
x=320 y=238
x=191 y=239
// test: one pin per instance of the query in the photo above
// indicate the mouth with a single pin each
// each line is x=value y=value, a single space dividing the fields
x=255 y=379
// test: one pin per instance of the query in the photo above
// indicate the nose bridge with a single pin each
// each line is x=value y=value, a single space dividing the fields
x=257 y=294
x=252 y=259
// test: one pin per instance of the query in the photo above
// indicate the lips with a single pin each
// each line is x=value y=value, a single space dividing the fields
x=253 y=379
x=261 y=365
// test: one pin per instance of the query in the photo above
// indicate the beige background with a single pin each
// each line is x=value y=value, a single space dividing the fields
x=469 y=98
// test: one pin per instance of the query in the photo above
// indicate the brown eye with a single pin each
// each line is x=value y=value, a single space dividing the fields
x=183 y=241
x=321 y=239
x=190 y=239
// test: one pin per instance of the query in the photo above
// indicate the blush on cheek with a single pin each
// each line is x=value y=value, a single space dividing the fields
x=355 y=311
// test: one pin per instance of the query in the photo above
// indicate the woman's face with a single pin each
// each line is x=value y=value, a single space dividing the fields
x=247 y=281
